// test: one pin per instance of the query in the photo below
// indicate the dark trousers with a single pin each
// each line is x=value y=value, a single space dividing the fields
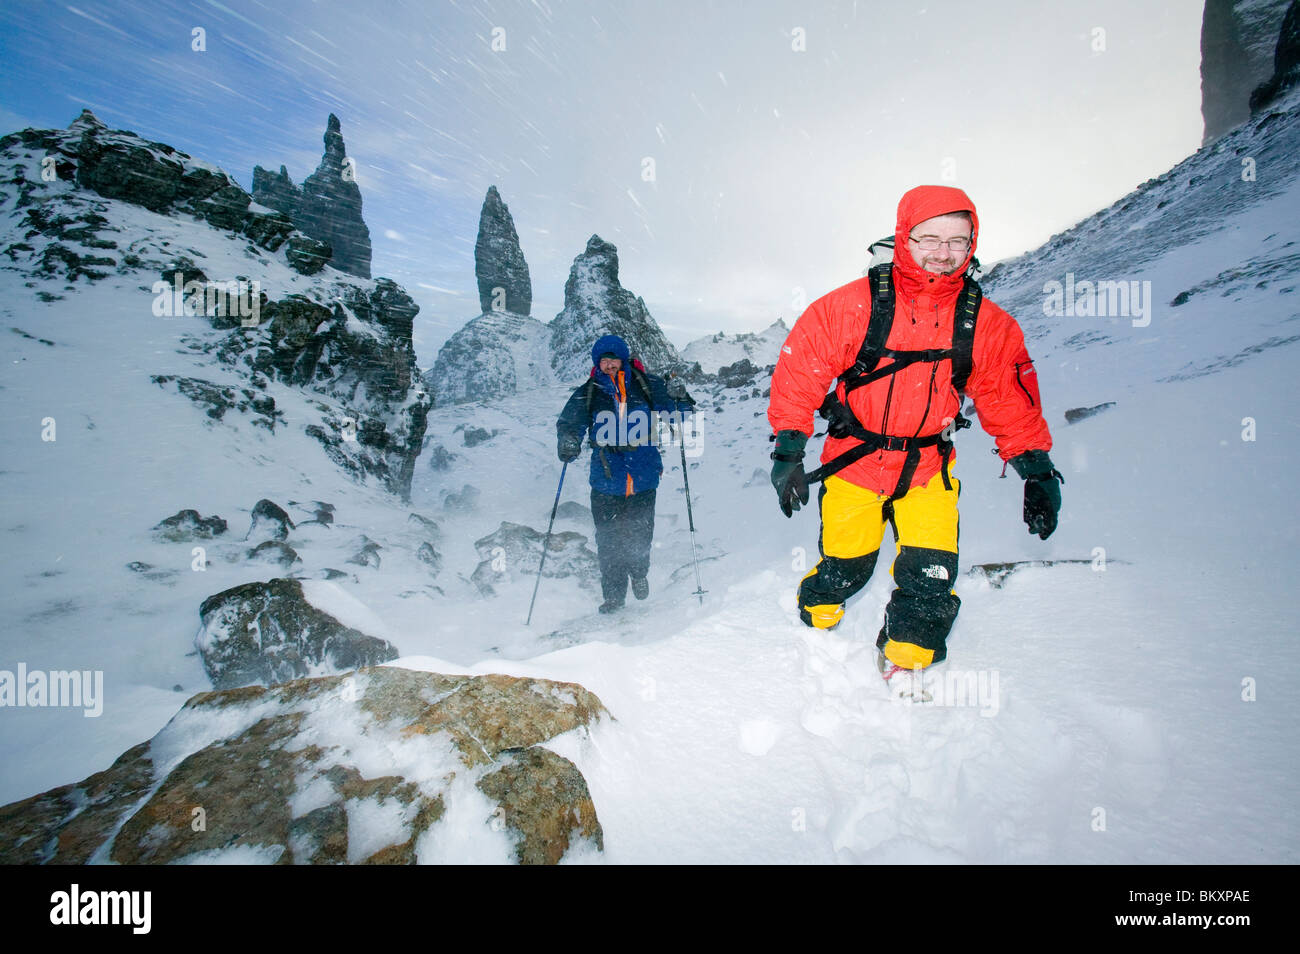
x=625 y=527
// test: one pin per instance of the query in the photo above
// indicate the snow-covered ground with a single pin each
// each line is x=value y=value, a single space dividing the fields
x=1132 y=707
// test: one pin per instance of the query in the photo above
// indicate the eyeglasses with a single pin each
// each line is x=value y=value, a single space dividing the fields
x=931 y=243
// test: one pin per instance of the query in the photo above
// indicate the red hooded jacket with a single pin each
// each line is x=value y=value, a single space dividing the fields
x=920 y=399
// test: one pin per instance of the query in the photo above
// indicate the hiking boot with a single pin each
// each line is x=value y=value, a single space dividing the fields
x=904 y=685
x=640 y=588
x=610 y=606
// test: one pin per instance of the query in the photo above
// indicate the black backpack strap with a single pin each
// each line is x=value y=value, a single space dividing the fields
x=643 y=383
x=963 y=332
x=880 y=279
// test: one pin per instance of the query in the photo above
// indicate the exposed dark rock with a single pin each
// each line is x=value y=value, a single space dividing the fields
x=307 y=255
x=440 y=458
x=367 y=554
x=216 y=399
x=330 y=207
x=477 y=435
x=275 y=553
x=428 y=525
x=1076 y=414
x=463 y=502
x=1286 y=62
x=503 y=280
x=997 y=573
x=738 y=375
x=428 y=555
x=187 y=525
x=596 y=304
x=269 y=633
x=276 y=191
x=513 y=552
x=269 y=521
x=360 y=355
x=1225 y=86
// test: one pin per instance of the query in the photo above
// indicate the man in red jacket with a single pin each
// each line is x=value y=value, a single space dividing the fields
x=894 y=416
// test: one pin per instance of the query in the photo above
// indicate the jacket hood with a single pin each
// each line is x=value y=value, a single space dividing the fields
x=610 y=344
x=917 y=205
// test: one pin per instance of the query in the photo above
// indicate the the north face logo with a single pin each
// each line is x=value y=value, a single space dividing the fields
x=936 y=572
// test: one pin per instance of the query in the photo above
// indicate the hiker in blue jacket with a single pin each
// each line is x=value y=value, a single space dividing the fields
x=622 y=407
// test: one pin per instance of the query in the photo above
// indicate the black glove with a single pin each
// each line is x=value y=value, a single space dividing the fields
x=1042 y=491
x=570 y=446
x=676 y=389
x=787 y=471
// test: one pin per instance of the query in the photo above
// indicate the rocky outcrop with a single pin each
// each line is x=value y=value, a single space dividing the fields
x=327 y=208
x=187 y=525
x=271 y=632
x=118 y=164
x=714 y=351
x=276 y=191
x=596 y=304
x=494 y=356
x=1238 y=43
x=355 y=768
x=1286 y=62
x=330 y=207
x=502 y=273
x=1259 y=23
x=513 y=552
x=358 y=353
x=503 y=350
x=1225 y=85
x=349 y=341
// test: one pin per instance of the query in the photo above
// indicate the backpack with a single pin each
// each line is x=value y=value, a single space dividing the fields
x=865 y=369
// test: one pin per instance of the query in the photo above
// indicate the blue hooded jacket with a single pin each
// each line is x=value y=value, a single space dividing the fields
x=620 y=421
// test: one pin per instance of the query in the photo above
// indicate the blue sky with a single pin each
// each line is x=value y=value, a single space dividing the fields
x=780 y=134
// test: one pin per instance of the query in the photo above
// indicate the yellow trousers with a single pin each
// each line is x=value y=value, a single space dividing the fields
x=923 y=605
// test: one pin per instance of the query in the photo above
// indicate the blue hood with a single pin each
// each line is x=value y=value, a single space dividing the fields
x=610 y=344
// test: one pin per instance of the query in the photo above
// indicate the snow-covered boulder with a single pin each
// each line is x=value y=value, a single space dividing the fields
x=285 y=629
x=187 y=525
x=362 y=768
x=513 y=552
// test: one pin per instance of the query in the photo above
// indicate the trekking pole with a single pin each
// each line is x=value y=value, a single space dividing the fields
x=545 y=543
x=690 y=518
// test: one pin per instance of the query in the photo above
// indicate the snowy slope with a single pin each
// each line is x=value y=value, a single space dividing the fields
x=1111 y=725
x=715 y=351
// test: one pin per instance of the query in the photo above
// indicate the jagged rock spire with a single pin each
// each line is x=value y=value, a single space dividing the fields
x=503 y=280
x=327 y=207
x=595 y=303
